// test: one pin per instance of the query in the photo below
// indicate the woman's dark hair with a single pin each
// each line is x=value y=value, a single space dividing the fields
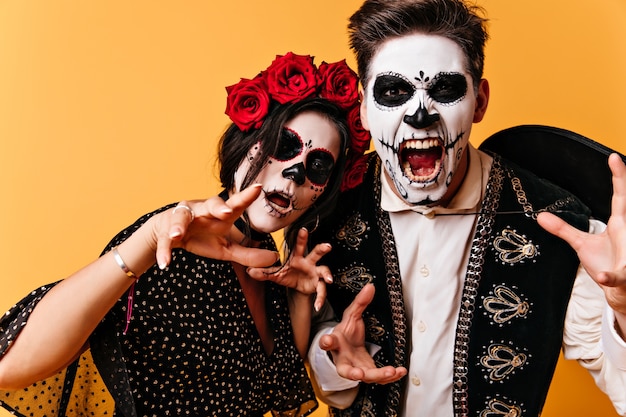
x=234 y=147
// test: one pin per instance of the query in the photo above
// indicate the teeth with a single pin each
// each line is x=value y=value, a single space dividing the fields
x=421 y=144
x=423 y=178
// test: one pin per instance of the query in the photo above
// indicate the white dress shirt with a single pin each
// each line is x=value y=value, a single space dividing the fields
x=433 y=268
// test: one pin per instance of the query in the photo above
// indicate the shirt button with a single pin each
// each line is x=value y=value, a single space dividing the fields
x=421 y=326
x=424 y=271
x=415 y=381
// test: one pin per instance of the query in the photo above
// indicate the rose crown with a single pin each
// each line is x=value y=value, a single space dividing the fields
x=291 y=78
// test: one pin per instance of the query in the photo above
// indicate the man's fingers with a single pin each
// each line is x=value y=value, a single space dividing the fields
x=350 y=372
x=558 y=227
x=329 y=342
x=385 y=375
x=618 y=169
x=361 y=301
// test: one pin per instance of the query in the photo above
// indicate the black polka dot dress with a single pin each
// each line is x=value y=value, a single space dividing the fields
x=191 y=349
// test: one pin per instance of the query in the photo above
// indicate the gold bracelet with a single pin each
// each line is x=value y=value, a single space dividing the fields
x=121 y=264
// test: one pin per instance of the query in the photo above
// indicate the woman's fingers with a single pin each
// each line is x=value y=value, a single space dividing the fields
x=325 y=274
x=180 y=217
x=163 y=251
x=202 y=226
x=238 y=202
x=320 y=295
x=252 y=257
x=318 y=252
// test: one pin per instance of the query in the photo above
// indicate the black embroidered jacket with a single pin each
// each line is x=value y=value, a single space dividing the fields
x=517 y=287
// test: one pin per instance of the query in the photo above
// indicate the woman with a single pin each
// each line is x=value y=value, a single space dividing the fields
x=196 y=334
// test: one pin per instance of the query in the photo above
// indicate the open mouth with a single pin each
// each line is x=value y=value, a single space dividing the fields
x=421 y=159
x=279 y=202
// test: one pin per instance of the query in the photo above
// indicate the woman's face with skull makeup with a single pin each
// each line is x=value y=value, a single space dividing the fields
x=297 y=175
x=419 y=106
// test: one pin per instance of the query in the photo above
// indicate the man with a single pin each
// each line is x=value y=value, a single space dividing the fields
x=473 y=297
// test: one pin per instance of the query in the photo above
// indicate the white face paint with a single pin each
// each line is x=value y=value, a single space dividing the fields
x=419 y=105
x=297 y=175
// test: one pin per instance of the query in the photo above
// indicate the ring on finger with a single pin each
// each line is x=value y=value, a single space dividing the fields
x=185 y=207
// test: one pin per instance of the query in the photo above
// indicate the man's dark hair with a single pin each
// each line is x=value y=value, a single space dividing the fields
x=377 y=21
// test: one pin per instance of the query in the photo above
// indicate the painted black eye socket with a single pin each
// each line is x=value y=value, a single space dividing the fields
x=448 y=88
x=289 y=146
x=319 y=166
x=392 y=91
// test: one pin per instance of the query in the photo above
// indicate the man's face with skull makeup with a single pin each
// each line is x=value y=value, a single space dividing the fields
x=297 y=175
x=419 y=106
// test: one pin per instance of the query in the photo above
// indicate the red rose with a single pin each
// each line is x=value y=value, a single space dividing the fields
x=339 y=84
x=247 y=103
x=359 y=137
x=291 y=78
x=356 y=166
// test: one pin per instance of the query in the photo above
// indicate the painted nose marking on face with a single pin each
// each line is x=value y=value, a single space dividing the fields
x=421 y=119
x=296 y=173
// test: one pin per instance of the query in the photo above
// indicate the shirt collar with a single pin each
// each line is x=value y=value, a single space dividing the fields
x=467 y=199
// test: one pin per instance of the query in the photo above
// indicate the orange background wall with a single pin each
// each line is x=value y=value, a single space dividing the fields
x=110 y=109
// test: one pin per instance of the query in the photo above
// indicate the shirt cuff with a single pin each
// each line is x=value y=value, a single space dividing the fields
x=613 y=345
x=325 y=370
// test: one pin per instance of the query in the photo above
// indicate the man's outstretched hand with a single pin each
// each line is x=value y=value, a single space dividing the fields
x=603 y=255
x=347 y=345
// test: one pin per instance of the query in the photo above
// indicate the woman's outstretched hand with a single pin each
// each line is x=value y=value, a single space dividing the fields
x=203 y=227
x=300 y=272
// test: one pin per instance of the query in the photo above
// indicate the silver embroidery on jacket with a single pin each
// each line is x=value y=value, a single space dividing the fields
x=505 y=305
x=394 y=287
x=513 y=247
x=354 y=278
x=498 y=408
x=480 y=244
x=501 y=361
x=352 y=233
x=374 y=328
